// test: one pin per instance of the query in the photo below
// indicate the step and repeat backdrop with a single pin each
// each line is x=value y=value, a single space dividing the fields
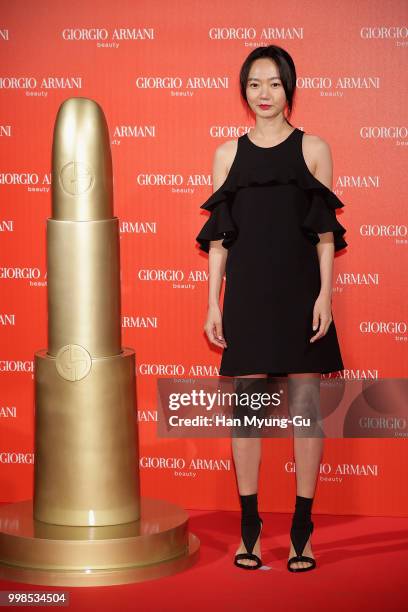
x=166 y=76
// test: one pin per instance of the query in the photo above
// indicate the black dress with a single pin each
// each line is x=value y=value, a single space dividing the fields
x=268 y=212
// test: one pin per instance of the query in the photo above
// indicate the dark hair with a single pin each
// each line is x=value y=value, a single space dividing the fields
x=286 y=68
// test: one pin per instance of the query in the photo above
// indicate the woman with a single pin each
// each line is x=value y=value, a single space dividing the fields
x=273 y=231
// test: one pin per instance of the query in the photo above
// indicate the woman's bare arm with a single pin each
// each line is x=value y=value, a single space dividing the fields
x=223 y=158
x=319 y=154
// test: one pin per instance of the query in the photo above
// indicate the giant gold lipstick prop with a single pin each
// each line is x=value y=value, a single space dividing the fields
x=86 y=470
x=87 y=524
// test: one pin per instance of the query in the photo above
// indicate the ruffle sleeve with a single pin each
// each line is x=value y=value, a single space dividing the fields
x=321 y=215
x=319 y=218
x=220 y=224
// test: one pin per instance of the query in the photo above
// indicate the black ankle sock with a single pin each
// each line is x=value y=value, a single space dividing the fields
x=249 y=505
x=250 y=520
x=302 y=525
x=303 y=511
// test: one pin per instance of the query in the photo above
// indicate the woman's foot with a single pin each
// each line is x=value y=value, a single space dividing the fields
x=301 y=558
x=307 y=551
x=248 y=556
x=256 y=551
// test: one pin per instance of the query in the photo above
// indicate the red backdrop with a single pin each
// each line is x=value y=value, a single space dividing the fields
x=166 y=76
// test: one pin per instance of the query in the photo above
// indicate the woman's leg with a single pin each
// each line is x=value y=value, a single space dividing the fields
x=304 y=400
x=247 y=455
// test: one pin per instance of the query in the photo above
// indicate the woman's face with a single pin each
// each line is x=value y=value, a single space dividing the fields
x=265 y=93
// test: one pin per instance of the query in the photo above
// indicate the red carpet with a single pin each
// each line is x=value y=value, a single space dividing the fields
x=362 y=565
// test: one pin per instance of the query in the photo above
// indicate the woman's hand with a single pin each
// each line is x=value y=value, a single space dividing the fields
x=213 y=327
x=322 y=316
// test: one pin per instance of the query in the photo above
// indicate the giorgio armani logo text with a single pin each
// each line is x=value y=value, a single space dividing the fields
x=134 y=132
x=355 y=469
x=140 y=322
x=384 y=32
x=39 y=87
x=160 y=180
x=33 y=181
x=383 y=132
x=105 y=38
x=386 y=231
x=358 y=278
x=8 y=412
x=339 y=83
x=6 y=225
x=5 y=131
x=147 y=416
x=177 y=369
x=228 y=131
x=16 y=366
x=17 y=458
x=383 y=327
x=356 y=374
x=183 y=86
x=33 y=275
x=7 y=319
x=250 y=33
x=138 y=227
x=20 y=273
x=175 y=279
x=197 y=463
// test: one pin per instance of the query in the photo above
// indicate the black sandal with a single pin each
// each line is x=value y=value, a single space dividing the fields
x=301 y=530
x=251 y=526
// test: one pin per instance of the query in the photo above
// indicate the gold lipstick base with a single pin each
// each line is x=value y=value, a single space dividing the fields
x=86 y=445
x=156 y=545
